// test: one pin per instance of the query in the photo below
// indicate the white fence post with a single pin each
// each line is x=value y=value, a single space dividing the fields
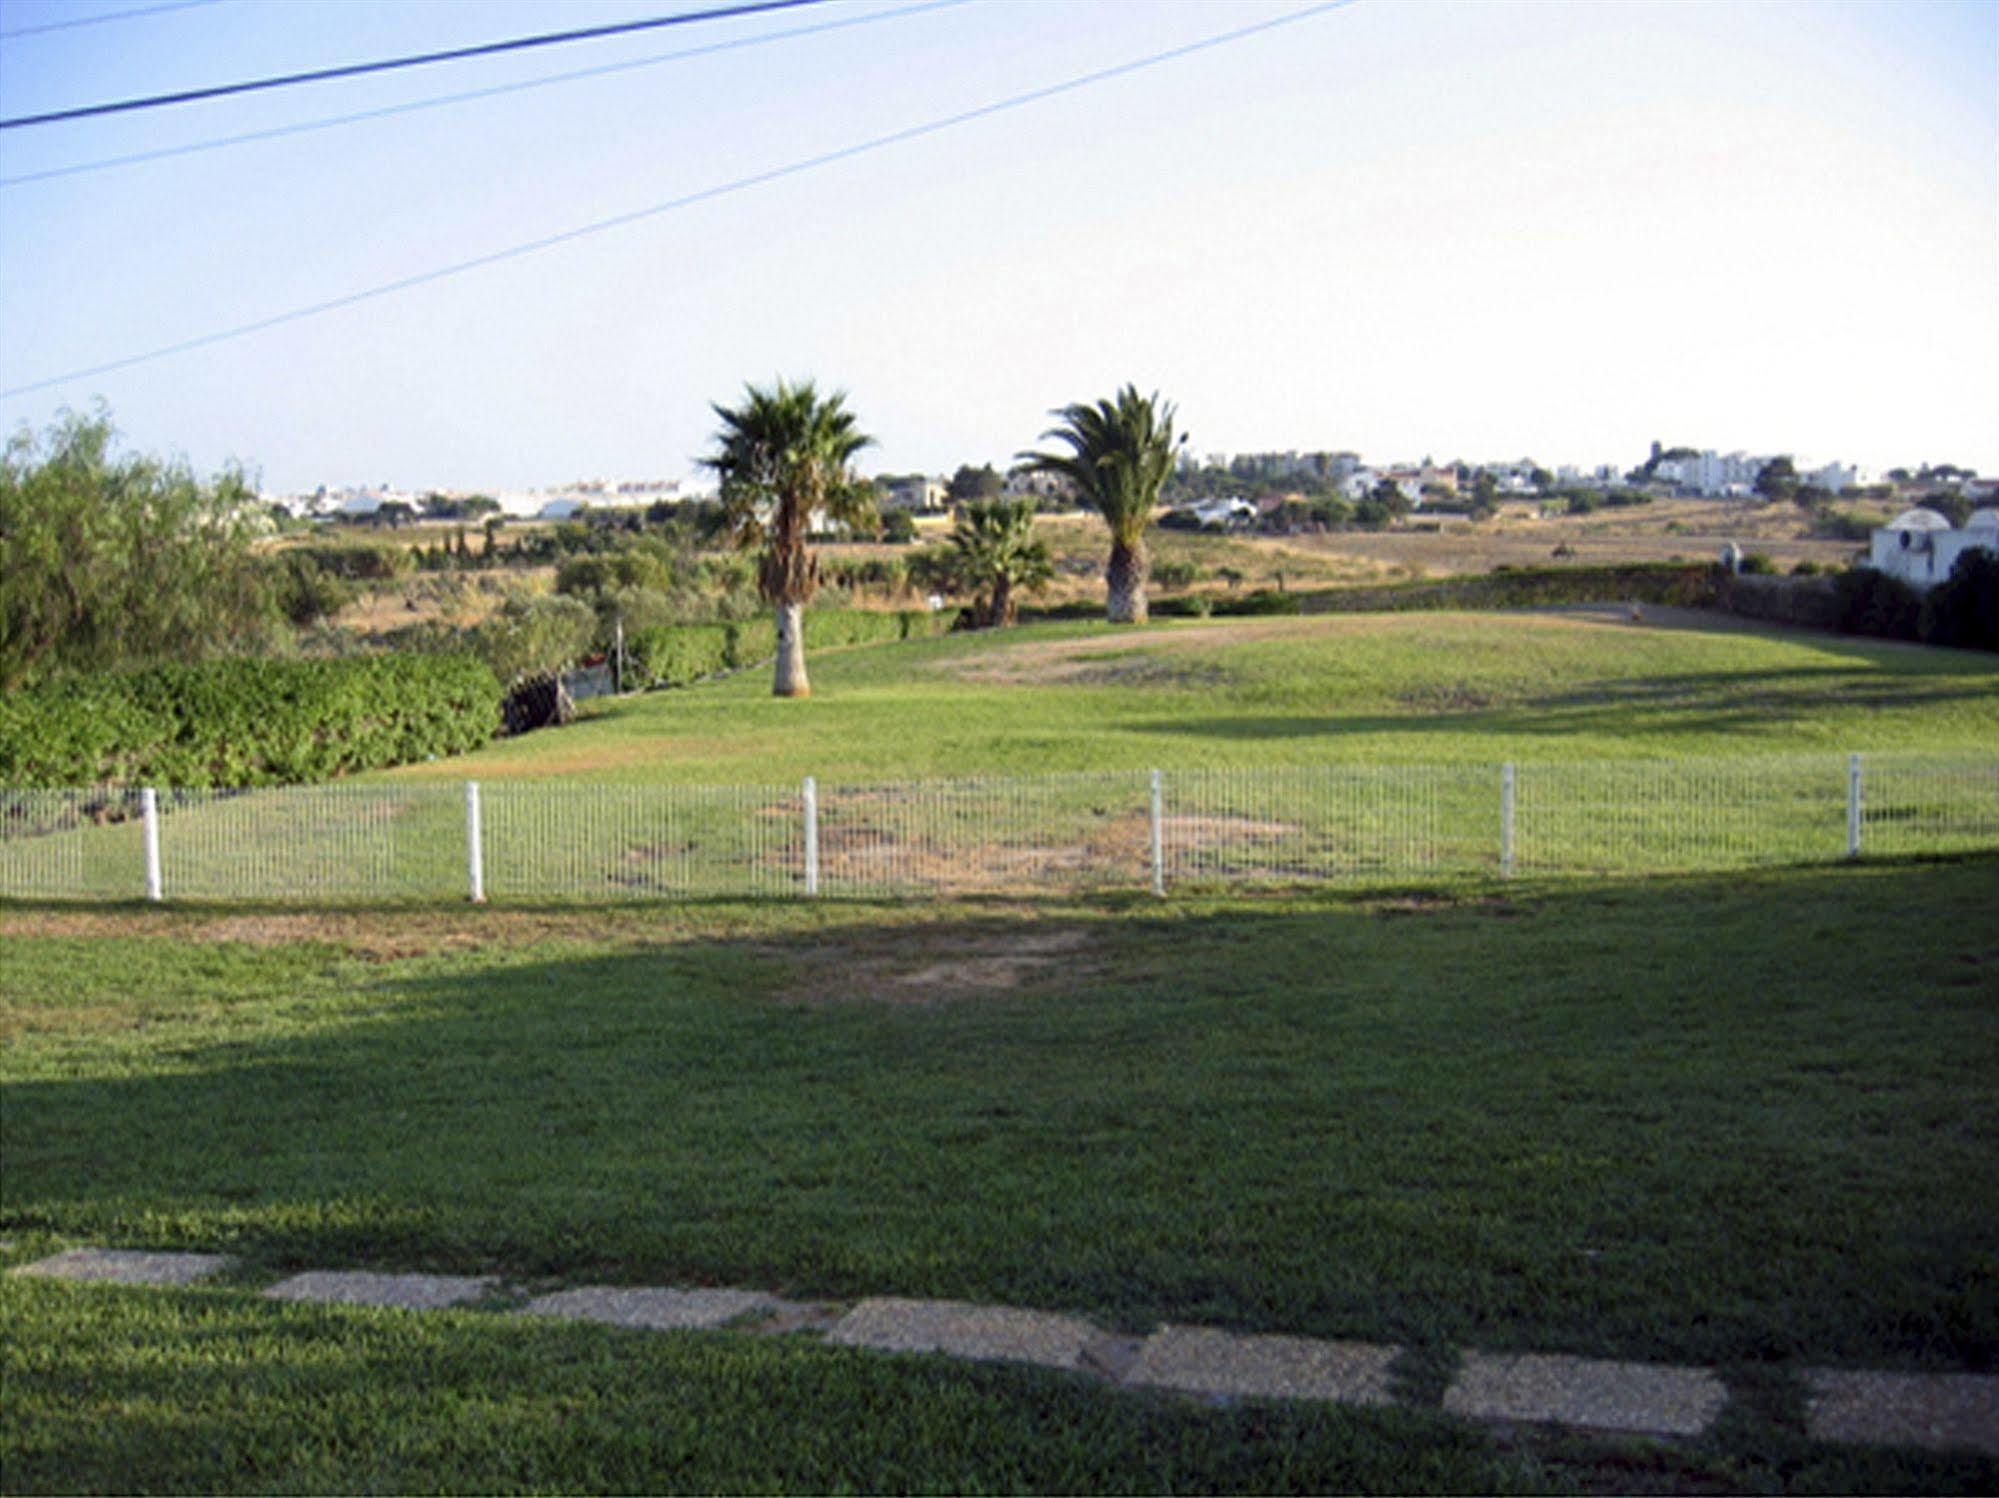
x=811 y=802
x=475 y=851
x=149 y=808
x=1853 y=793
x=1506 y=803
x=1158 y=834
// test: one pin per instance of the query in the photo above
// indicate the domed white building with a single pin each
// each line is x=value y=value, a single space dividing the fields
x=1920 y=547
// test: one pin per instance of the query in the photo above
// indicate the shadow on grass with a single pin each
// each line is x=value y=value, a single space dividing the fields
x=1690 y=705
x=1704 y=1119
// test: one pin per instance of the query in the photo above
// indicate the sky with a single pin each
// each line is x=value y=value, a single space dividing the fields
x=1403 y=227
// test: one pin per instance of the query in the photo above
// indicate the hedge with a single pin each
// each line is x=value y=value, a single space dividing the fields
x=672 y=655
x=246 y=722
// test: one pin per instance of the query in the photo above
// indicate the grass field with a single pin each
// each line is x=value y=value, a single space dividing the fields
x=1748 y=1122
x=1447 y=688
x=1745 y=1120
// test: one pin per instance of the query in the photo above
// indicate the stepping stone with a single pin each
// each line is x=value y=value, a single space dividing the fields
x=657 y=1310
x=989 y=1333
x=407 y=1292
x=1645 y=1398
x=1943 y=1411
x=119 y=1266
x=1197 y=1360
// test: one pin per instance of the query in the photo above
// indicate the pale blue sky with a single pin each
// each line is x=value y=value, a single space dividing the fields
x=1476 y=230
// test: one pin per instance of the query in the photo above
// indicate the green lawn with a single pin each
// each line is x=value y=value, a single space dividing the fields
x=1434 y=688
x=1702 y=1120
x=153 y=1391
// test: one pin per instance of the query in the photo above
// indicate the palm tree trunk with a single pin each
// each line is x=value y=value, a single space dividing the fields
x=1002 y=606
x=1126 y=576
x=791 y=680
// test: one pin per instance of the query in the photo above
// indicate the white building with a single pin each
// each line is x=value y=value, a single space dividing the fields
x=1713 y=474
x=1837 y=478
x=1232 y=511
x=1920 y=548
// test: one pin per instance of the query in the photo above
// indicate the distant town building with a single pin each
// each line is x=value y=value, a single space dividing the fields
x=1713 y=475
x=1920 y=547
x=915 y=493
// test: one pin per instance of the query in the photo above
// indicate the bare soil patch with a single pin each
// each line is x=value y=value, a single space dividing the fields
x=378 y=935
x=921 y=967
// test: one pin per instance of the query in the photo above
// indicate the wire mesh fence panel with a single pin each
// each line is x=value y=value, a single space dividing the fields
x=72 y=845
x=975 y=836
x=560 y=840
x=1663 y=816
x=1912 y=803
x=552 y=840
x=1342 y=822
x=368 y=842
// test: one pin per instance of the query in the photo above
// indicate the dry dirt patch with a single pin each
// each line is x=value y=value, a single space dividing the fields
x=938 y=965
x=378 y=935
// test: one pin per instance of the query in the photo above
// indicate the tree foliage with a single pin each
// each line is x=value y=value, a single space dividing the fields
x=995 y=555
x=785 y=461
x=114 y=560
x=1120 y=454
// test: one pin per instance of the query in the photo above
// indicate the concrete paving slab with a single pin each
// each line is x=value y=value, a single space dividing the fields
x=407 y=1292
x=1643 y=1398
x=1942 y=1411
x=119 y=1266
x=653 y=1309
x=1199 y=1360
x=991 y=1333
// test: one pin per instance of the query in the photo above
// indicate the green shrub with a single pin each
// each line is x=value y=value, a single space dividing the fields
x=1758 y=564
x=1963 y=610
x=673 y=655
x=246 y=722
x=1262 y=601
x=752 y=640
x=533 y=636
x=1869 y=602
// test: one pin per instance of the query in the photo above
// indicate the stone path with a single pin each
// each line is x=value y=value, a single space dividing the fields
x=1939 y=1411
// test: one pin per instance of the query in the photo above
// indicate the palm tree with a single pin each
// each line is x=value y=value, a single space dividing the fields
x=1120 y=455
x=784 y=458
x=994 y=552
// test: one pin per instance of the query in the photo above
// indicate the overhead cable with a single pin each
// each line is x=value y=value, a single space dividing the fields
x=441 y=101
x=390 y=64
x=98 y=20
x=703 y=195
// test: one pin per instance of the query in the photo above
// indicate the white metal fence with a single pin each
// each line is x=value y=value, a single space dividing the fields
x=528 y=840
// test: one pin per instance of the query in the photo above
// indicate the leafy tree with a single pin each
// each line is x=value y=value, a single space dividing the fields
x=108 y=561
x=898 y=528
x=1777 y=480
x=1485 y=495
x=1120 y=455
x=970 y=483
x=1963 y=610
x=995 y=553
x=785 y=459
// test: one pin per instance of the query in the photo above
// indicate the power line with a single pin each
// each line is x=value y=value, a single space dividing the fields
x=388 y=64
x=442 y=100
x=115 y=15
x=703 y=195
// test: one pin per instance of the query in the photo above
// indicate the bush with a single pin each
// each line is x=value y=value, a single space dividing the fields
x=898 y=528
x=533 y=636
x=246 y=722
x=1963 y=610
x=1262 y=601
x=1869 y=602
x=673 y=655
x=1757 y=564
x=1175 y=574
